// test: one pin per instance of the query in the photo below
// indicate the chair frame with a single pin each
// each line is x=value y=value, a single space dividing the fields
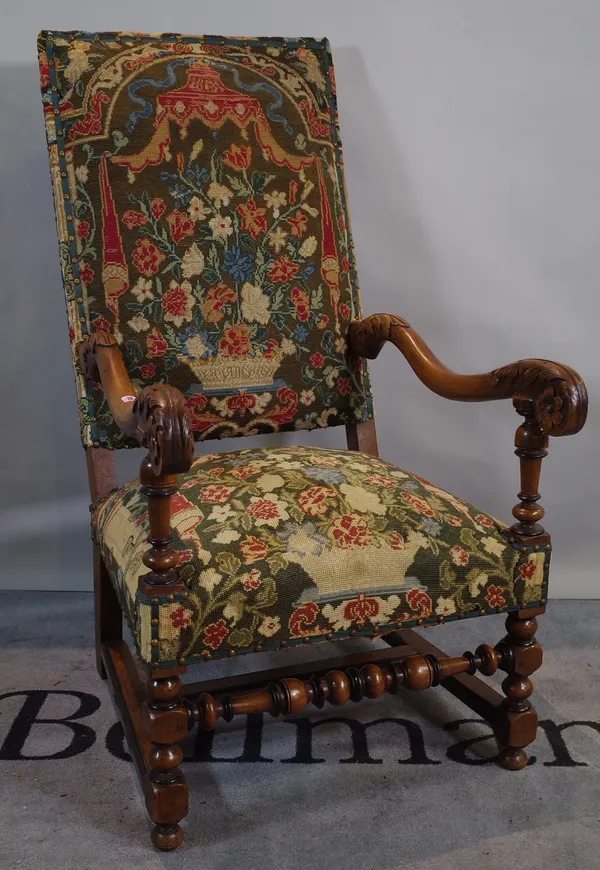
x=157 y=711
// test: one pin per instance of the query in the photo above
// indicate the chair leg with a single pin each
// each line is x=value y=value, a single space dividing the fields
x=165 y=719
x=517 y=721
x=108 y=617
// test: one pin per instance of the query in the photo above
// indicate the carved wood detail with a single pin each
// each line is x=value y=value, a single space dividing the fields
x=164 y=426
x=157 y=416
x=558 y=393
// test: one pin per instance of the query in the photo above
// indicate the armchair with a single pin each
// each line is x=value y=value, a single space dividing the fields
x=211 y=291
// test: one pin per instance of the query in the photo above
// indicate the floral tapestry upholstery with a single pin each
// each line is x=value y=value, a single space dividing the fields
x=201 y=215
x=291 y=545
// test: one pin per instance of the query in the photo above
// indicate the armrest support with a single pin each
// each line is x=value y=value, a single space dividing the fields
x=157 y=416
x=557 y=393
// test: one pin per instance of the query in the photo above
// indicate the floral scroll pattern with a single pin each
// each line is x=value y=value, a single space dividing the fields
x=202 y=219
x=282 y=544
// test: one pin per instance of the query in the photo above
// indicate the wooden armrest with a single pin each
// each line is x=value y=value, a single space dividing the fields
x=157 y=416
x=556 y=392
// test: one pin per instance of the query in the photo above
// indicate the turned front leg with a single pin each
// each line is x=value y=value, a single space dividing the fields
x=517 y=724
x=165 y=788
x=165 y=718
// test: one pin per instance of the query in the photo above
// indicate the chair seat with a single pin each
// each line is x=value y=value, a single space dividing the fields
x=290 y=545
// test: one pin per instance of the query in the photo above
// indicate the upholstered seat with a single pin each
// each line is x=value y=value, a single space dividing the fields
x=283 y=545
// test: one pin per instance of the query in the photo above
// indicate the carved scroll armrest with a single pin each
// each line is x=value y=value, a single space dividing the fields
x=555 y=393
x=157 y=415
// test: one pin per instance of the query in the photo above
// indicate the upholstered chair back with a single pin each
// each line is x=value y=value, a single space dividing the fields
x=201 y=214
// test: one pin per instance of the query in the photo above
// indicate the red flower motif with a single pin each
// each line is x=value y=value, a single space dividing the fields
x=235 y=341
x=349 y=531
x=302 y=617
x=146 y=257
x=83 y=229
x=252 y=218
x=379 y=480
x=44 y=75
x=293 y=191
x=157 y=207
x=214 y=301
x=301 y=303
x=175 y=302
x=243 y=472
x=270 y=348
x=298 y=224
x=148 y=371
x=181 y=617
x=196 y=405
x=86 y=273
x=251 y=580
x=527 y=570
x=263 y=509
x=312 y=501
x=397 y=541
x=494 y=596
x=216 y=493
x=101 y=324
x=454 y=521
x=180 y=225
x=238 y=156
x=133 y=219
x=317 y=360
x=252 y=549
x=483 y=520
x=361 y=609
x=216 y=472
x=459 y=556
x=242 y=403
x=345 y=264
x=418 y=503
x=215 y=633
x=283 y=269
x=344 y=311
x=156 y=344
x=343 y=385
x=419 y=601
x=323 y=321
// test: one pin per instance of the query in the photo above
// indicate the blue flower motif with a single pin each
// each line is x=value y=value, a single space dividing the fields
x=238 y=264
x=300 y=332
x=327 y=475
x=430 y=527
x=302 y=540
x=410 y=484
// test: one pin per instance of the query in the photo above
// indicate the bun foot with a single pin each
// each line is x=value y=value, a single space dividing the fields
x=167 y=837
x=511 y=758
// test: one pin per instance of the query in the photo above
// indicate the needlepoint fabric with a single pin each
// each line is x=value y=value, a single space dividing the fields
x=290 y=545
x=201 y=213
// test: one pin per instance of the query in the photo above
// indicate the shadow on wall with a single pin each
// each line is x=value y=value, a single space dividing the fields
x=397 y=269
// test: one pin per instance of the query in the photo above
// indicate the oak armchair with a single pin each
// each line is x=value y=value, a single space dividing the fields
x=211 y=291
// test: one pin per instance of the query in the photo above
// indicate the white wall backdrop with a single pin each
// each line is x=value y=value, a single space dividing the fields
x=472 y=148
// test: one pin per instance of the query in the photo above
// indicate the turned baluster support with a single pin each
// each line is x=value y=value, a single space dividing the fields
x=287 y=696
x=530 y=442
x=517 y=727
x=165 y=717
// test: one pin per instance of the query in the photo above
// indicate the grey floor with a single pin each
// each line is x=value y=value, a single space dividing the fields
x=298 y=799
